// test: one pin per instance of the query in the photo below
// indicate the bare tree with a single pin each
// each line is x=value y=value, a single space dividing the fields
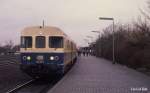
x=16 y=48
x=132 y=44
x=146 y=12
x=8 y=46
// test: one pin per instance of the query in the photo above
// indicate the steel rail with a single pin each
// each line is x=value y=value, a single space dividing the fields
x=20 y=86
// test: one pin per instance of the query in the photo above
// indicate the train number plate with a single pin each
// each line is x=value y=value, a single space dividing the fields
x=39 y=62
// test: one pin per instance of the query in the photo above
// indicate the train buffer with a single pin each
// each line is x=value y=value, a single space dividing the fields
x=95 y=75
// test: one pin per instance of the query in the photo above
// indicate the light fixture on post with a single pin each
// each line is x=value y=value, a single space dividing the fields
x=113 y=42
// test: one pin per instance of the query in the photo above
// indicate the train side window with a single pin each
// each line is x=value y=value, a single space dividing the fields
x=40 y=42
x=68 y=43
x=26 y=42
x=56 y=42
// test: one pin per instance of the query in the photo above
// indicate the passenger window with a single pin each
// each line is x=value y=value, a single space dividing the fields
x=26 y=42
x=68 y=43
x=56 y=42
x=40 y=42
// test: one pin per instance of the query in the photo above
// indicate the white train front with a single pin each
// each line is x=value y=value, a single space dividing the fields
x=46 y=51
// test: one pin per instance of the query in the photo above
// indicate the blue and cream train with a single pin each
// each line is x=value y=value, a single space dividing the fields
x=46 y=51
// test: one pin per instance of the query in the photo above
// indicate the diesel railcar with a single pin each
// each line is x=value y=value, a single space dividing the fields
x=46 y=51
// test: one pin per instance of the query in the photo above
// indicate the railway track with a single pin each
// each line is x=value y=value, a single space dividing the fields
x=7 y=60
x=20 y=86
x=34 y=86
x=8 y=56
x=31 y=86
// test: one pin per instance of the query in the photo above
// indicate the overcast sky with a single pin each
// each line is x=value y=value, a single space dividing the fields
x=77 y=18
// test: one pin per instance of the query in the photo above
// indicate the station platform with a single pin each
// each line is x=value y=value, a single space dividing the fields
x=96 y=75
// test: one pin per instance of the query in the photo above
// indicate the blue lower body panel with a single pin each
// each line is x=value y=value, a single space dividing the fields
x=42 y=69
x=46 y=68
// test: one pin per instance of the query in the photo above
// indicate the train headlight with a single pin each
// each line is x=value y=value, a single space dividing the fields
x=52 y=58
x=28 y=58
x=24 y=58
x=56 y=58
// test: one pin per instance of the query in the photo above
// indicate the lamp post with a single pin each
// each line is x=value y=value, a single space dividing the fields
x=90 y=38
x=91 y=44
x=97 y=32
x=113 y=41
x=99 y=37
x=87 y=41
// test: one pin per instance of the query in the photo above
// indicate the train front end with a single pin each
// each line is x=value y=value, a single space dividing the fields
x=42 y=52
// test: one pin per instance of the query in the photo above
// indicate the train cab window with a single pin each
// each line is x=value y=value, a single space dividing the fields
x=26 y=42
x=40 y=42
x=56 y=42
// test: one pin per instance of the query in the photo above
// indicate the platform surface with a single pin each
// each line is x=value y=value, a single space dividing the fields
x=95 y=75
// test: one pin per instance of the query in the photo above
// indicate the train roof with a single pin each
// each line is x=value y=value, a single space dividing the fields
x=45 y=31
